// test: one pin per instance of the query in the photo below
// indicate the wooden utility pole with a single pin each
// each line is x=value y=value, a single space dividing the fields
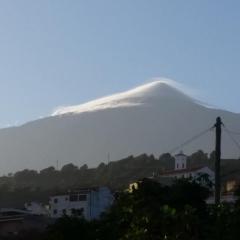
x=218 y=127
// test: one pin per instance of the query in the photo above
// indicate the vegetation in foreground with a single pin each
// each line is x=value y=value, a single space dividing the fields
x=152 y=212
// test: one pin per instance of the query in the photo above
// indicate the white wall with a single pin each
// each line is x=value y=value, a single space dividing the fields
x=180 y=162
x=95 y=203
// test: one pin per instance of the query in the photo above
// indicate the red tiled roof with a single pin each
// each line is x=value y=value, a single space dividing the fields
x=193 y=169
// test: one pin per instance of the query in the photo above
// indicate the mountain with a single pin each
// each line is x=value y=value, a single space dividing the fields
x=153 y=119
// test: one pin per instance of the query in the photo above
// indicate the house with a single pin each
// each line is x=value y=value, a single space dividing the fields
x=86 y=202
x=181 y=169
x=200 y=173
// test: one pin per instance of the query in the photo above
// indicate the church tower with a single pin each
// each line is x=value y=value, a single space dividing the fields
x=180 y=161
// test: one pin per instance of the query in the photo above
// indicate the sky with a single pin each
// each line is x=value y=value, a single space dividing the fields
x=62 y=52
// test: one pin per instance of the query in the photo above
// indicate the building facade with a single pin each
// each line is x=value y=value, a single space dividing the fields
x=89 y=203
x=180 y=161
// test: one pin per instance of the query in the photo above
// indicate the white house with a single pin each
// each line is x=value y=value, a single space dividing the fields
x=88 y=202
x=181 y=169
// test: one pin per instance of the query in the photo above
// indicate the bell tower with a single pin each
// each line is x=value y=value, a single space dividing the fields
x=180 y=161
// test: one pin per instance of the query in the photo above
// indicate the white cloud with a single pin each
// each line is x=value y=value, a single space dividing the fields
x=133 y=97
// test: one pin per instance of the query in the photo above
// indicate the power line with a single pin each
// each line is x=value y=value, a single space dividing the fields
x=229 y=133
x=232 y=138
x=234 y=132
x=191 y=140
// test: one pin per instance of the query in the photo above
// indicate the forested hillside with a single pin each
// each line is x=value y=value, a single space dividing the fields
x=29 y=185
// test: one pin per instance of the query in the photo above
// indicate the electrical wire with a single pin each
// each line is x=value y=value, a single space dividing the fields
x=233 y=132
x=231 y=137
x=190 y=140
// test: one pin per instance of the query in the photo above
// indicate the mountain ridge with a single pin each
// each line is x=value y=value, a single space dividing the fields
x=153 y=127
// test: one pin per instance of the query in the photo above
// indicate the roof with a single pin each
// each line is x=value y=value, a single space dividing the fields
x=188 y=170
x=77 y=191
x=180 y=154
x=13 y=210
x=165 y=181
x=12 y=214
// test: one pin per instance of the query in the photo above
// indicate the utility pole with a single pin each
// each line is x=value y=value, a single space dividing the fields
x=218 y=127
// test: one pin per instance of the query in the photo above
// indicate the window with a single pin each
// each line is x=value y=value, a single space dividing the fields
x=64 y=211
x=183 y=165
x=77 y=212
x=55 y=211
x=82 y=197
x=73 y=198
x=177 y=165
x=55 y=200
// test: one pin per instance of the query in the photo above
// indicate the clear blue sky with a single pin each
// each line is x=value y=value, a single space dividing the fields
x=63 y=52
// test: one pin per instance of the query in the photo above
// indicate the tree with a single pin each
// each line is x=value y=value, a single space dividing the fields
x=69 y=168
x=153 y=211
x=69 y=228
x=84 y=167
x=199 y=158
x=48 y=171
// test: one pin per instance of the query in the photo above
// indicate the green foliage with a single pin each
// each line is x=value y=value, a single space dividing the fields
x=70 y=228
x=156 y=212
x=153 y=212
x=69 y=169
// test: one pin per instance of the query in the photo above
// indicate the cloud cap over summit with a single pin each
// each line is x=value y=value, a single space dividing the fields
x=160 y=88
